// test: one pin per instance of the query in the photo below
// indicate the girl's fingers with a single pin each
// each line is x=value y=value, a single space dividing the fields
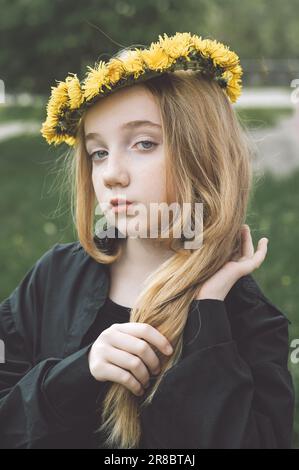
x=250 y=260
x=260 y=253
x=116 y=374
x=247 y=245
x=249 y=264
x=129 y=362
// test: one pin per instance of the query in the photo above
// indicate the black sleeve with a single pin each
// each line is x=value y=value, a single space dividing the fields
x=213 y=398
x=52 y=396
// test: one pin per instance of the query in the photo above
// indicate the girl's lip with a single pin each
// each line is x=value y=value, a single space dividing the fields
x=117 y=201
x=120 y=208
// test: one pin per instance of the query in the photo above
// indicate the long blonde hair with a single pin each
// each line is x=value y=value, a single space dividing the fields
x=208 y=160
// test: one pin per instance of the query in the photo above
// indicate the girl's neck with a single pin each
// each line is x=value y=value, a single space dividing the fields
x=139 y=259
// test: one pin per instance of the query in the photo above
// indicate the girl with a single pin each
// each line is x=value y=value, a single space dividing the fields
x=143 y=342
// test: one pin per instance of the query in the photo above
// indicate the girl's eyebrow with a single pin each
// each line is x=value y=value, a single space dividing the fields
x=126 y=126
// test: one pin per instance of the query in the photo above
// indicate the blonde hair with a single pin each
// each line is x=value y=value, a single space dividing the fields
x=208 y=160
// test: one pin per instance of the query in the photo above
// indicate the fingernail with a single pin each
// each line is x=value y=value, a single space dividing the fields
x=168 y=349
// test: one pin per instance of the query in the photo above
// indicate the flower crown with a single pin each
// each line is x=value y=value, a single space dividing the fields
x=70 y=98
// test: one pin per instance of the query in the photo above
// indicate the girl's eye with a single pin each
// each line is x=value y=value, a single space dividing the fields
x=147 y=142
x=140 y=142
x=94 y=153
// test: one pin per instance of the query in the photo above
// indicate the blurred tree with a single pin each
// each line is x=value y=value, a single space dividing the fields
x=258 y=28
x=41 y=41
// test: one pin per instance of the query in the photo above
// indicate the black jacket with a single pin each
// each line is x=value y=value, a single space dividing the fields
x=231 y=388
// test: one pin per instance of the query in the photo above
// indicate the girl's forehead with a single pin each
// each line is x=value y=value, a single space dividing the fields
x=124 y=99
x=116 y=111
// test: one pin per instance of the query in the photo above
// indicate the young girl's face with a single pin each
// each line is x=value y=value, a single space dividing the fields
x=127 y=156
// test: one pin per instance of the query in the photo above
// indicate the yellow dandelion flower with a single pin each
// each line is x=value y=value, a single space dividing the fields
x=70 y=140
x=233 y=60
x=48 y=132
x=58 y=139
x=233 y=90
x=45 y=129
x=115 y=70
x=178 y=45
x=223 y=57
x=208 y=47
x=236 y=70
x=58 y=101
x=59 y=97
x=94 y=81
x=227 y=75
x=75 y=94
x=196 y=42
x=156 y=58
x=52 y=120
x=132 y=62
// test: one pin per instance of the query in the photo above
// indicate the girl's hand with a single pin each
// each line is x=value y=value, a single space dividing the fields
x=218 y=286
x=124 y=353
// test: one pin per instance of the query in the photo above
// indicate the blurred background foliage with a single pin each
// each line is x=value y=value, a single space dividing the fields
x=41 y=42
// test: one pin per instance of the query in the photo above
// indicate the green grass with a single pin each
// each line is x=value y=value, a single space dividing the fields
x=260 y=117
x=22 y=113
x=29 y=226
x=28 y=203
